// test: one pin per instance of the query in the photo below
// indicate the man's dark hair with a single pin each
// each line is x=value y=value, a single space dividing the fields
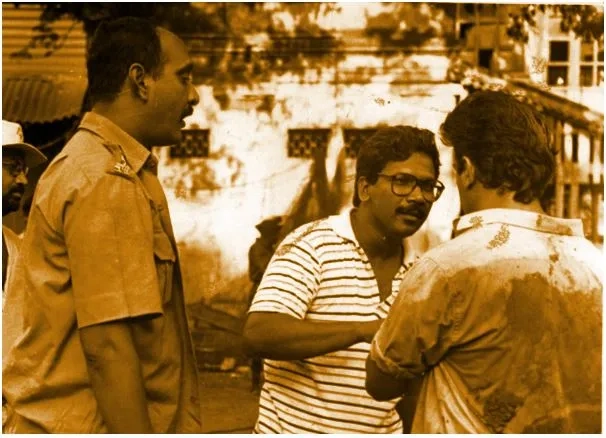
x=115 y=46
x=396 y=143
x=506 y=140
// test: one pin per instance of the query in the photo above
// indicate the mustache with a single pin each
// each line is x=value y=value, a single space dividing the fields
x=415 y=210
x=18 y=189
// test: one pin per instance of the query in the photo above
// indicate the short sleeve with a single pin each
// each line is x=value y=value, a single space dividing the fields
x=420 y=325
x=109 y=239
x=291 y=280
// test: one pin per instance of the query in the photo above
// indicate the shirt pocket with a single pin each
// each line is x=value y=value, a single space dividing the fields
x=165 y=259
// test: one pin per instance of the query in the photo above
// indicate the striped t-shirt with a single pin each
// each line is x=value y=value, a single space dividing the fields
x=321 y=273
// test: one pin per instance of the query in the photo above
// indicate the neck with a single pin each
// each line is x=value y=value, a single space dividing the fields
x=114 y=111
x=491 y=199
x=372 y=239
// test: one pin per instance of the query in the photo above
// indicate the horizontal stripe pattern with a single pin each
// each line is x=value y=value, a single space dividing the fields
x=320 y=273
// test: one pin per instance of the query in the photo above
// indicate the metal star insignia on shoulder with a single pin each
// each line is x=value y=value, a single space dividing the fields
x=122 y=168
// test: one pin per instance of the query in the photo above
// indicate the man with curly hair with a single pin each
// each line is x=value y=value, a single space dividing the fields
x=498 y=330
x=329 y=286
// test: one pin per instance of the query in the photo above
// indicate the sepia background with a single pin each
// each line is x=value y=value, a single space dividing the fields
x=288 y=93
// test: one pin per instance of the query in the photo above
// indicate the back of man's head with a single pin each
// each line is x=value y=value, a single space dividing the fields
x=115 y=46
x=506 y=140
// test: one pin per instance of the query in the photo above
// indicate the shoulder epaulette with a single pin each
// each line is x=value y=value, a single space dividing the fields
x=118 y=165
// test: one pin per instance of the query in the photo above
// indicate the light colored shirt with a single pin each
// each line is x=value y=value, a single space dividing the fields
x=99 y=247
x=505 y=323
x=321 y=273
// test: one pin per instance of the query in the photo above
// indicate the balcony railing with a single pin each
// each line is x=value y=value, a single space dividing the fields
x=578 y=133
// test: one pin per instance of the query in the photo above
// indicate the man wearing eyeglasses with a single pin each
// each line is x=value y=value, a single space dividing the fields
x=329 y=286
x=17 y=158
x=500 y=329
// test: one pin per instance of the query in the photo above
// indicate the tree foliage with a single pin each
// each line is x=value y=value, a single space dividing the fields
x=226 y=33
x=586 y=21
x=411 y=24
x=190 y=18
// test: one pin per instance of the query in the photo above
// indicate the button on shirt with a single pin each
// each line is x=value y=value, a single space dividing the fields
x=321 y=273
x=505 y=321
x=99 y=247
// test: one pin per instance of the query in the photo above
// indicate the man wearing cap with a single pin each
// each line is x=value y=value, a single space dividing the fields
x=17 y=158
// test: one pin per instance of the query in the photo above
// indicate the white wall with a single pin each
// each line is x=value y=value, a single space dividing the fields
x=222 y=222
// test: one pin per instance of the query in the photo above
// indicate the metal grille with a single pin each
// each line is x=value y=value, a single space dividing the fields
x=194 y=144
x=302 y=142
x=354 y=138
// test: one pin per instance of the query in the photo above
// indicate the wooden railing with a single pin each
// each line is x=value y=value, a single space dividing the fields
x=578 y=133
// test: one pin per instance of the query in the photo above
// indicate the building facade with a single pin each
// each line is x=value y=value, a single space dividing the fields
x=247 y=151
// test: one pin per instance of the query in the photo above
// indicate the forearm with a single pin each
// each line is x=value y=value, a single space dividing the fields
x=117 y=382
x=383 y=386
x=276 y=336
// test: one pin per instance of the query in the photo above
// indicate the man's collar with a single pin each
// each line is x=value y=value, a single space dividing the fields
x=519 y=218
x=135 y=153
x=341 y=225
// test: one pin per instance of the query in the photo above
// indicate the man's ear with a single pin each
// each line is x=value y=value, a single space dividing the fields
x=138 y=81
x=467 y=172
x=363 y=185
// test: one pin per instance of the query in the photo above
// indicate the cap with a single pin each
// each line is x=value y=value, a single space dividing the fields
x=12 y=138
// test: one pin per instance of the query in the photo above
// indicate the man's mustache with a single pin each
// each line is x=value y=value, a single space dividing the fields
x=414 y=210
x=19 y=189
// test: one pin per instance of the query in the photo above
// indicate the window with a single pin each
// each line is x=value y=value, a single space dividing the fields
x=558 y=51
x=592 y=64
x=302 y=142
x=485 y=58
x=559 y=62
x=194 y=144
x=354 y=138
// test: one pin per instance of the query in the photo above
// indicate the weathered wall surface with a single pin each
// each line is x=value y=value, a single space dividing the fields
x=257 y=179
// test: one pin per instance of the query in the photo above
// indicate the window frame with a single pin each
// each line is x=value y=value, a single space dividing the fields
x=180 y=151
x=295 y=152
x=595 y=64
x=566 y=64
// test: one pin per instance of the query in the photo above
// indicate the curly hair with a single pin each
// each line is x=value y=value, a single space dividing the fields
x=396 y=143
x=507 y=141
x=115 y=46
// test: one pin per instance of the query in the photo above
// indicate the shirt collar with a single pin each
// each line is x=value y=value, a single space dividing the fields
x=135 y=153
x=341 y=225
x=519 y=218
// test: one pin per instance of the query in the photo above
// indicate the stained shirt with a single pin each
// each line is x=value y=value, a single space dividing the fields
x=321 y=273
x=99 y=247
x=505 y=324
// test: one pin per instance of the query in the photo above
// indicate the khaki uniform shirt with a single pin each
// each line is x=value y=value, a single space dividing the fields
x=10 y=243
x=99 y=247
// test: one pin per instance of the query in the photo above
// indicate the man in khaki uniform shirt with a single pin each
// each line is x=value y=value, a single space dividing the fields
x=105 y=345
